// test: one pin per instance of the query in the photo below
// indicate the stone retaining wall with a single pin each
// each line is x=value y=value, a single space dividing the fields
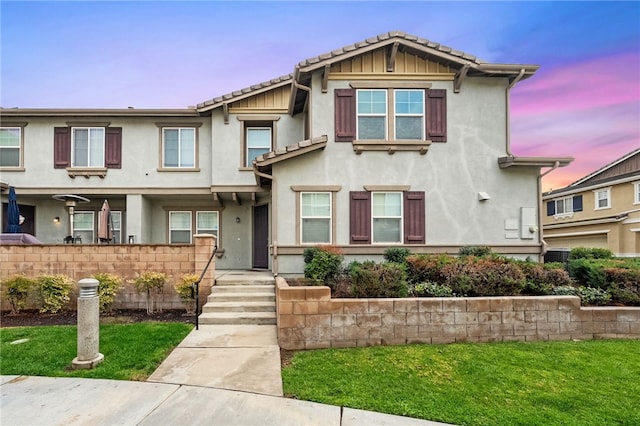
x=308 y=318
x=125 y=260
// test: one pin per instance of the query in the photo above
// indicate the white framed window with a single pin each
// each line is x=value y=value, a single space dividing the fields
x=371 y=110
x=116 y=226
x=207 y=222
x=179 y=147
x=603 y=198
x=409 y=114
x=386 y=217
x=564 y=206
x=87 y=146
x=10 y=146
x=180 y=227
x=315 y=220
x=636 y=193
x=83 y=227
x=258 y=141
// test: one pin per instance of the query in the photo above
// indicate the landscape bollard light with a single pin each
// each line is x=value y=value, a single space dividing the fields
x=88 y=326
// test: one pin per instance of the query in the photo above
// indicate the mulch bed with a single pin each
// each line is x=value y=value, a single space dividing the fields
x=119 y=316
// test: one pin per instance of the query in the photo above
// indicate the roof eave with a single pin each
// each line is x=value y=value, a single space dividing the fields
x=50 y=112
x=511 y=161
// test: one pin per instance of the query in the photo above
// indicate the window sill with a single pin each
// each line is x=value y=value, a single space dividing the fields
x=87 y=172
x=563 y=216
x=12 y=169
x=178 y=169
x=245 y=169
x=391 y=147
x=602 y=208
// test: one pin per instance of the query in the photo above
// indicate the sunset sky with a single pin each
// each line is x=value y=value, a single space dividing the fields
x=584 y=101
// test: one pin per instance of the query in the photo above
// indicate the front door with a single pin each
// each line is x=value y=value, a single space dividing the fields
x=261 y=236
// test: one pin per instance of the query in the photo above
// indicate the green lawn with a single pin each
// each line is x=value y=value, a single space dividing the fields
x=131 y=351
x=550 y=383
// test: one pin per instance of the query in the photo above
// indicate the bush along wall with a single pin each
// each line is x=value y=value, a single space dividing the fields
x=592 y=274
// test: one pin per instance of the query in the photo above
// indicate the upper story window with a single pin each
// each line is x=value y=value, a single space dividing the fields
x=564 y=207
x=404 y=115
x=179 y=147
x=258 y=137
x=636 y=193
x=315 y=217
x=406 y=107
x=10 y=147
x=87 y=147
x=391 y=217
x=258 y=142
x=603 y=198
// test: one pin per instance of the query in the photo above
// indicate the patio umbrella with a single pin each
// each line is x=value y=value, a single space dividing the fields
x=13 y=213
x=105 y=233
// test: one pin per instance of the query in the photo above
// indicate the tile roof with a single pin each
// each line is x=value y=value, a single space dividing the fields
x=443 y=52
x=290 y=151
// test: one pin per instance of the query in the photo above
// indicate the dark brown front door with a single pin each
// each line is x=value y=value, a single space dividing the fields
x=261 y=236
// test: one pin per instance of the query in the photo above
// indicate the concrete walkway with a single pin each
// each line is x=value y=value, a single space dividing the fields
x=219 y=374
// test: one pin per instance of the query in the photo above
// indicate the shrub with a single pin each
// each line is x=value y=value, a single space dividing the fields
x=425 y=267
x=593 y=296
x=541 y=279
x=108 y=287
x=152 y=285
x=428 y=289
x=486 y=276
x=477 y=251
x=54 y=292
x=588 y=295
x=623 y=285
x=325 y=264
x=396 y=254
x=184 y=288
x=18 y=288
x=588 y=272
x=589 y=253
x=370 y=279
x=309 y=253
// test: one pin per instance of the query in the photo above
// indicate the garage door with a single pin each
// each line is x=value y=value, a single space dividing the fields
x=592 y=241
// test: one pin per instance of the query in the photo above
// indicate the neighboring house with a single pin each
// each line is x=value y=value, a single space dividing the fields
x=392 y=141
x=600 y=210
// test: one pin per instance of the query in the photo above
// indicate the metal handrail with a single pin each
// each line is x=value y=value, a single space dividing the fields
x=195 y=287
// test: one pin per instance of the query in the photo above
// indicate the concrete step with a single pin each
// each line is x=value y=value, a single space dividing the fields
x=241 y=297
x=243 y=289
x=239 y=307
x=255 y=318
x=243 y=282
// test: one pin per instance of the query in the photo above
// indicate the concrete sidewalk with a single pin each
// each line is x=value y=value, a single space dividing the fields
x=27 y=400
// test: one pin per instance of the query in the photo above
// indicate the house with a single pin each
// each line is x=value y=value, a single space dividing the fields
x=392 y=141
x=600 y=210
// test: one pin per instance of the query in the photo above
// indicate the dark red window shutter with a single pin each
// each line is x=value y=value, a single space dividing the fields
x=113 y=148
x=360 y=217
x=414 y=217
x=436 y=115
x=61 y=147
x=345 y=115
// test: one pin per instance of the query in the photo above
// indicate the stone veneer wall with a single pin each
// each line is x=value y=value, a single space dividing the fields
x=308 y=318
x=125 y=260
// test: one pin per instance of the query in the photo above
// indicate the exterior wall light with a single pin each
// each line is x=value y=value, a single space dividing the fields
x=56 y=219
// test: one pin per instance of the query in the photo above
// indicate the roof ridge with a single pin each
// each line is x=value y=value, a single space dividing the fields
x=604 y=168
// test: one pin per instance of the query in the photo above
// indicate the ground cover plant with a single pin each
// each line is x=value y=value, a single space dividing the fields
x=550 y=383
x=132 y=351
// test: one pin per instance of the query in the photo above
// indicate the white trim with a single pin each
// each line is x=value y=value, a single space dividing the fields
x=596 y=193
x=636 y=192
x=577 y=234
x=585 y=223
x=568 y=192
x=634 y=229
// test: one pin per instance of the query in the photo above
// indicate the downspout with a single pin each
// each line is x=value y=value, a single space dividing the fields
x=274 y=216
x=543 y=243
x=508 y=124
x=308 y=90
